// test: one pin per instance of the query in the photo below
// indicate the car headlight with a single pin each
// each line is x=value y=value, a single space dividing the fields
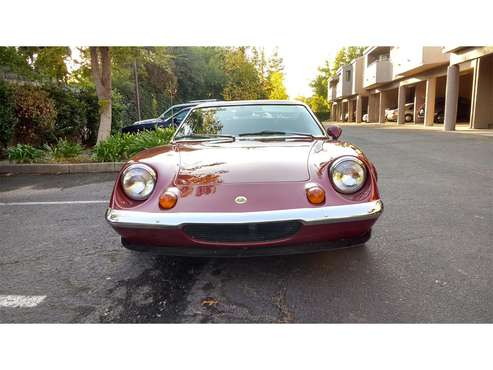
x=138 y=181
x=348 y=174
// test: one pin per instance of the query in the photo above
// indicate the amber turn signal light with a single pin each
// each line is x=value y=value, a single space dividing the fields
x=315 y=195
x=168 y=199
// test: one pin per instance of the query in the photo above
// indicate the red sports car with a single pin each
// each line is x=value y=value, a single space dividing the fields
x=247 y=178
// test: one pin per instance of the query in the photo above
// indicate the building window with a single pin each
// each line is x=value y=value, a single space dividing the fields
x=347 y=75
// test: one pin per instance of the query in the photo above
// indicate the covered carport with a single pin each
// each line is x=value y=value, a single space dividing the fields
x=470 y=75
x=388 y=100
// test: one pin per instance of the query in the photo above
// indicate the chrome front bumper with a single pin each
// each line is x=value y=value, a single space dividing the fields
x=307 y=216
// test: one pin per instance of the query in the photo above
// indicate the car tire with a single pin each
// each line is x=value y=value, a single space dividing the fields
x=408 y=118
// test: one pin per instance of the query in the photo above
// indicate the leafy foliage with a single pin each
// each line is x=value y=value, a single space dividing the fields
x=42 y=101
x=149 y=139
x=24 y=153
x=36 y=115
x=73 y=111
x=112 y=149
x=64 y=149
x=8 y=118
x=120 y=146
x=277 y=88
x=242 y=81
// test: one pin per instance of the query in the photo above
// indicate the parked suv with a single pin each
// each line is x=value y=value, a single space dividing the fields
x=171 y=117
x=463 y=110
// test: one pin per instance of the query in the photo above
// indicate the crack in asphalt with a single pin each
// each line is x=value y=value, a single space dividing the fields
x=280 y=301
x=158 y=294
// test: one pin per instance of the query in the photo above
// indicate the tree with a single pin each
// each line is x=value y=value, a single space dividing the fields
x=44 y=63
x=270 y=74
x=242 y=81
x=277 y=88
x=320 y=83
x=101 y=73
x=346 y=55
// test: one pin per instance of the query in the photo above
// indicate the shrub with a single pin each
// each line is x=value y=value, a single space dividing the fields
x=112 y=149
x=120 y=147
x=149 y=139
x=23 y=153
x=36 y=115
x=8 y=118
x=64 y=149
x=71 y=112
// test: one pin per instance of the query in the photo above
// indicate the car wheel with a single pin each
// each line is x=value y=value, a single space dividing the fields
x=440 y=118
x=408 y=118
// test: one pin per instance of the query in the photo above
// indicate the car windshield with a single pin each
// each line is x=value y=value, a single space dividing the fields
x=249 y=120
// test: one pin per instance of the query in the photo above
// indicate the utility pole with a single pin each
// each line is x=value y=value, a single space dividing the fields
x=137 y=95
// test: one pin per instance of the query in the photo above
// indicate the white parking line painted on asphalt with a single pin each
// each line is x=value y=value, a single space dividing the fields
x=22 y=301
x=53 y=203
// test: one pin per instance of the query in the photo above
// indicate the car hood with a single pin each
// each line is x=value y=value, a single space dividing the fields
x=271 y=173
x=147 y=121
x=243 y=161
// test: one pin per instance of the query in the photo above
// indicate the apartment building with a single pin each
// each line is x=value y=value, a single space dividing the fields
x=427 y=85
x=347 y=93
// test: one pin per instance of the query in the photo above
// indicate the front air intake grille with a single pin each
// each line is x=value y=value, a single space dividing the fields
x=238 y=233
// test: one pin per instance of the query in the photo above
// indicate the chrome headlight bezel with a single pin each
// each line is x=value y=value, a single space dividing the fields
x=342 y=188
x=147 y=191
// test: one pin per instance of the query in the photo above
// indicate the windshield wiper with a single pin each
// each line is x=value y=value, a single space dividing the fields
x=268 y=132
x=205 y=137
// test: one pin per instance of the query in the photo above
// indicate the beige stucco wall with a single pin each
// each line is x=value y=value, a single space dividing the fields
x=482 y=109
x=469 y=53
x=358 y=74
x=407 y=59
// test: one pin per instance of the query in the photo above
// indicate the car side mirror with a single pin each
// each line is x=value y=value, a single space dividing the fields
x=334 y=131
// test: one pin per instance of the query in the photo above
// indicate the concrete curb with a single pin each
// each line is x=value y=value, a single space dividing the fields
x=60 y=168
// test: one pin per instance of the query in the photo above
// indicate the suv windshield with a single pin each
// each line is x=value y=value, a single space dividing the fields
x=172 y=110
x=249 y=120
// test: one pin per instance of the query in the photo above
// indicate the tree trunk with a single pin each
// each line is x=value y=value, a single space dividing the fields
x=101 y=73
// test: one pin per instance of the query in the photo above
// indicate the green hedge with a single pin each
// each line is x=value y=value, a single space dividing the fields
x=37 y=115
x=8 y=118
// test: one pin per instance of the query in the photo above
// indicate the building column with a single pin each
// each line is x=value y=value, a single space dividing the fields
x=431 y=88
x=451 y=98
x=419 y=99
x=350 y=110
x=371 y=107
x=359 y=109
x=381 y=108
x=401 y=102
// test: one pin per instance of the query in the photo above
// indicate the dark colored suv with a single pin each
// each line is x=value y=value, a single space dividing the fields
x=171 y=117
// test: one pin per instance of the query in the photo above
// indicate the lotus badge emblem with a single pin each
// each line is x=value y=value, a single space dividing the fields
x=240 y=199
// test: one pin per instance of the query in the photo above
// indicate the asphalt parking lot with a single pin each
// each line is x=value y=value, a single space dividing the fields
x=430 y=258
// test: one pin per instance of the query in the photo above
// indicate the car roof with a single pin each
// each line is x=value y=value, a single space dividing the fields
x=183 y=105
x=202 y=100
x=249 y=102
